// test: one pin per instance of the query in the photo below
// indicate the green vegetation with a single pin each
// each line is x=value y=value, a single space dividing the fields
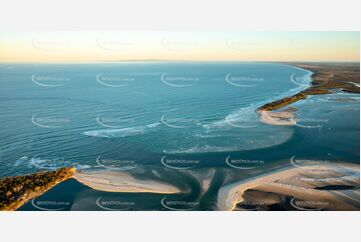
x=16 y=191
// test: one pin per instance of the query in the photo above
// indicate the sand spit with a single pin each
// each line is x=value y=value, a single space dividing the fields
x=326 y=78
x=18 y=190
x=277 y=118
x=117 y=181
x=313 y=187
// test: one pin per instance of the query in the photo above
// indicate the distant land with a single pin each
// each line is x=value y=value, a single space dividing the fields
x=326 y=78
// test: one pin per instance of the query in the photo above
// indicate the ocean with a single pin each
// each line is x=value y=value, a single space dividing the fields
x=192 y=124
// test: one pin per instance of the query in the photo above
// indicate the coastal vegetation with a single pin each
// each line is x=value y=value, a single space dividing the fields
x=16 y=191
x=274 y=190
x=326 y=78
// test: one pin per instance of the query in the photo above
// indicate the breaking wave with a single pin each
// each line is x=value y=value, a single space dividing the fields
x=121 y=133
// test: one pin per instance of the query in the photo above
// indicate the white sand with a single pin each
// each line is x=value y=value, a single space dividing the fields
x=300 y=183
x=114 y=181
x=277 y=118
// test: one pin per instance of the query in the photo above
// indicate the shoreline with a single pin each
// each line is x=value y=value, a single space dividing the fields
x=18 y=190
x=324 y=80
x=111 y=181
x=308 y=184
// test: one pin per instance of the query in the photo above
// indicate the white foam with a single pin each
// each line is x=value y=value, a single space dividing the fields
x=47 y=163
x=243 y=117
x=202 y=149
x=153 y=125
x=115 y=133
x=121 y=133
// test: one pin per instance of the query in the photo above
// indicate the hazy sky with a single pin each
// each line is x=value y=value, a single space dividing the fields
x=195 y=45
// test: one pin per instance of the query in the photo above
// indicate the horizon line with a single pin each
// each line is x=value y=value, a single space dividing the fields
x=160 y=60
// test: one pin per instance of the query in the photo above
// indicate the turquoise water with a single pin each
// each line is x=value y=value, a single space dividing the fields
x=171 y=121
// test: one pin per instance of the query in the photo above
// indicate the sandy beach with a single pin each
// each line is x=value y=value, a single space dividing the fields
x=313 y=187
x=277 y=118
x=325 y=79
x=116 y=181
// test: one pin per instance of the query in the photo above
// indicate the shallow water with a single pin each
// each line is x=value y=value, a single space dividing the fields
x=166 y=121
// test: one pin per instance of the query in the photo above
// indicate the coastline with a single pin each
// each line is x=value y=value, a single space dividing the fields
x=322 y=82
x=123 y=182
x=321 y=186
x=313 y=193
x=325 y=79
x=117 y=181
x=18 y=190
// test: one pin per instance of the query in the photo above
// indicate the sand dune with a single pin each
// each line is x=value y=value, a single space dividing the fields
x=115 y=181
x=314 y=187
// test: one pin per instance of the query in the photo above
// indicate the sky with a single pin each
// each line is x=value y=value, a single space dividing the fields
x=97 y=46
